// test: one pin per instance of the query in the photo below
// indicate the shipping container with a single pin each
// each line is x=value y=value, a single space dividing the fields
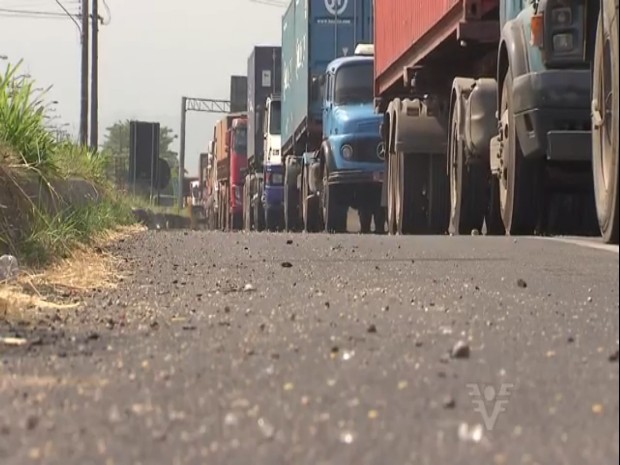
x=315 y=32
x=408 y=31
x=264 y=79
x=238 y=93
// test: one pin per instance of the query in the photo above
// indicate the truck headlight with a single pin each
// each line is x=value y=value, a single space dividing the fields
x=347 y=152
x=563 y=43
x=561 y=17
x=563 y=33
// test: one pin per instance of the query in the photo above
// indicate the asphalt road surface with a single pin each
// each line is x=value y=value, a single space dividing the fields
x=255 y=349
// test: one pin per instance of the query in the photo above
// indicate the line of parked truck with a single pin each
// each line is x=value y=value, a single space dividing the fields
x=427 y=117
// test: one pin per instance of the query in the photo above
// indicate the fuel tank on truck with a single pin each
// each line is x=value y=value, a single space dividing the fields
x=314 y=32
x=264 y=80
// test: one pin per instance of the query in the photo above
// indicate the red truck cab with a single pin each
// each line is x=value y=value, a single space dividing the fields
x=238 y=144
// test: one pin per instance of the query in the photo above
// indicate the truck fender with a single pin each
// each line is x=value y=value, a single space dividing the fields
x=512 y=51
x=315 y=176
x=389 y=131
x=292 y=168
x=419 y=129
x=326 y=156
x=461 y=88
x=480 y=120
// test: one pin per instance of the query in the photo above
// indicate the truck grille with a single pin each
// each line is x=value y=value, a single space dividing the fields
x=366 y=150
x=371 y=127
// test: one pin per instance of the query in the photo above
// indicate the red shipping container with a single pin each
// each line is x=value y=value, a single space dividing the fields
x=408 y=27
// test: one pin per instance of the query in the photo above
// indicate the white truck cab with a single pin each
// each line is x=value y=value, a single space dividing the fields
x=271 y=131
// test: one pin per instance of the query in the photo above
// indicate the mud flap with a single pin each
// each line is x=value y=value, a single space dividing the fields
x=419 y=130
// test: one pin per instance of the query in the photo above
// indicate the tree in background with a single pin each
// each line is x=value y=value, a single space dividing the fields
x=117 y=143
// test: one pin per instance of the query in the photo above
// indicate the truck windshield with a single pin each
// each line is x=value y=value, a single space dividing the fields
x=274 y=118
x=354 y=84
x=240 y=144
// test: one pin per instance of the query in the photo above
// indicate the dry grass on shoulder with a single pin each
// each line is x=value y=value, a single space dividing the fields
x=61 y=286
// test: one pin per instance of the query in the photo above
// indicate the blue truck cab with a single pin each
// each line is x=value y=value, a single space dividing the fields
x=347 y=171
x=319 y=112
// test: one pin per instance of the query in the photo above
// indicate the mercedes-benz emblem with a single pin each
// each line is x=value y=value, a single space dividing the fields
x=381 y=151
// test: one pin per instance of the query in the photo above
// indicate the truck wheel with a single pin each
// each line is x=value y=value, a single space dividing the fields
x=237 y=221
x=605 y=122
x=365 y=216
x=468 y=183
x=391 y=194
x=411 y=194
x=438 y=195
x=272 y=220
x=310 y=209
x=379 y=217
x=259 y=217
x=248 y=212
x=521 y=193
x=334 y=214
x=493 y=216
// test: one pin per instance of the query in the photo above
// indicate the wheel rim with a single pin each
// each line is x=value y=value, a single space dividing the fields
x=503 y=178
x=398 y=201
x=453 y=171
x=325 y=202
x=390 y=193
x=304 y=206
x=605 y=98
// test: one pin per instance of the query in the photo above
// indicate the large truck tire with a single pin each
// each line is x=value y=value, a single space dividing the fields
x=493 y=223
x=392 y=172
x=334 y=214
x=248 y=211
x=259 y=216
x=311 y=210
x=379 y=219
x=468 y=182
x=605 y=122
x=365 y=217
x=291 y=197
x=423 y=198
x=411 y=194
x=236 y=221
x=291 y=213
x=272 y=219
x=521 y=180
x=438 y=195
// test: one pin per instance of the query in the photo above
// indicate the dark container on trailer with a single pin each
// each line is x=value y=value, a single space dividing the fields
x=238 y=93
x=264 y=79
x=314 y=33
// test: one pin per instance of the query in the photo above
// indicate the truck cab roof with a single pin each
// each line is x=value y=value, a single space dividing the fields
x=334 y=65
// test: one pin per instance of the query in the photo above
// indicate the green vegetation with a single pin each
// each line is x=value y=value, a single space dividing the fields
x=117 y=143
x=39 y=217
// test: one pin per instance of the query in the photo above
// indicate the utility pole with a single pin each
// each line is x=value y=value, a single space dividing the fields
x=195 y=104
x=84 y=76
x=182 y=152
x=94 y=95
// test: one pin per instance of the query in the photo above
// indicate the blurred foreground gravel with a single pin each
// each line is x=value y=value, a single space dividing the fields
x=295 y=349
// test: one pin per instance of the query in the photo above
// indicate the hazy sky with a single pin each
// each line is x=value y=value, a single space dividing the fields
x=151 y=54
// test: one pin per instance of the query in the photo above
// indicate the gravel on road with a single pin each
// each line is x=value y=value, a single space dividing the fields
x=323 y=349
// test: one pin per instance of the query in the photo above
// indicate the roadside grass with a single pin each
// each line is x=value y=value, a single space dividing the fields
x=33 y=159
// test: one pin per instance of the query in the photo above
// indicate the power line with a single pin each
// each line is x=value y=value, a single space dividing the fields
x=69 y=14
x=13 y=11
